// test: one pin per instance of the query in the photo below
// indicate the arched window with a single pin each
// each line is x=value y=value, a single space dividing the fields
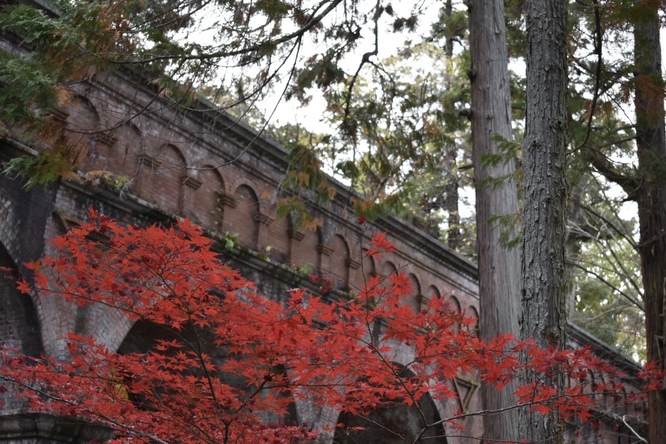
x=243 y=217
x=205 y=206
x=338 y=263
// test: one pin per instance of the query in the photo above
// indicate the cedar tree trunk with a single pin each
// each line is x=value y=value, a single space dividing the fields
x=499 y=265
x=651 y=196
x=544 y=148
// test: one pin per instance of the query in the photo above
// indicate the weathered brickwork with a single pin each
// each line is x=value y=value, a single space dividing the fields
x=167 y=163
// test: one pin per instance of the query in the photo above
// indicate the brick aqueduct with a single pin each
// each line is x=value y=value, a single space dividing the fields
x=224 y=175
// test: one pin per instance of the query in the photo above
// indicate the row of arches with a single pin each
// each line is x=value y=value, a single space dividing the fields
x=389 y=423
x=162 y=173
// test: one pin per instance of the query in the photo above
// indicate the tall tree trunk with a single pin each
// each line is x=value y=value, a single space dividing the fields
x=499 y=265
x=544 y=148
x=451 y=192
x=651 y=196
x=452 y=199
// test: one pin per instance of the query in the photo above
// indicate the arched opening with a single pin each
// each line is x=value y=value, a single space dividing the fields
x=205 y=207
x=414 y=299
x=129 y=143
x=243 y=218
x=473 y=313
x=454 y=307
x=339 y=263
x=19 y=324
x=161 y=178
x=144 y=337
x=392 y=423
x=82 y=122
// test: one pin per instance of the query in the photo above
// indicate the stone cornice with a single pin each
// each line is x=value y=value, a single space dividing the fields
x=105 y=138
x=149 y=161
x=263 y=219
x=228 y=200
x=191 y=182
x=351 y=263
x=297 y=235
x=325 y=249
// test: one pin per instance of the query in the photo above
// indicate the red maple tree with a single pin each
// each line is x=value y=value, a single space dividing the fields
x=231 y=362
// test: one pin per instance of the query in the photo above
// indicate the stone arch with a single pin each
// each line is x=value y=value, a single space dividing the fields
x=472 y=312
x=161 y=178
x=431 y=293
x=19 y=323
x=339 y=263
x=204 y=203
x=106 y=324
x=414 y=299
x=26 y=217
x=128 y=144
x=455 y=308
x=81 y=125
x=388 y=268
x=144 y=336
x=279 y=239
x=305 y=249
x=365 y=271
x=389 y=424
x=243 y=218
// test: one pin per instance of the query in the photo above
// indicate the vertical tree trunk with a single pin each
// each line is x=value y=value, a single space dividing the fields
x=451 y=194
x=544 y=150
x=499 y=265
x=651 y=195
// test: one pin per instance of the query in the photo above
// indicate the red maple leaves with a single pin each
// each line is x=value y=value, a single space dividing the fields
x=231 y=362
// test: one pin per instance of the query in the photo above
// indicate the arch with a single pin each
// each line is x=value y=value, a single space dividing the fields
x=414 y=299
x=105 y=324
x=391 y=423
x=82 y=121
x=453 y=305
x=472 y=312
x=243 y=217
x=144 y=336
x=304 y=250
x=388 y=268
x=338 y=263
x=128 y=144
x=367 y=269
x=433 y=293
x=204 y=205
x=19 y=323
x=278 y=237
x=161 y=178
x=83 y=116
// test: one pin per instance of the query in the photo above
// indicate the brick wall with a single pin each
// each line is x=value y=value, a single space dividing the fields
x=205 y=165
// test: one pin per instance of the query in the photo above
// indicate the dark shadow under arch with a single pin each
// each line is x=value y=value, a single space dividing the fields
x=391 y=424
x=19 y=323
x=144 y=335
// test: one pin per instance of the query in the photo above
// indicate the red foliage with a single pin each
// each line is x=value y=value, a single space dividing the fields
x=307 y=347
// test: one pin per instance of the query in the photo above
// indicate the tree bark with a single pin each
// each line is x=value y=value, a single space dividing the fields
x=651 y=196
x=499 y=265
x=544 y=148
x=451 y=192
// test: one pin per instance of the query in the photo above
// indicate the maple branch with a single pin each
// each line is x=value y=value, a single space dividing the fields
x=382 y=426
x=632 y=429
